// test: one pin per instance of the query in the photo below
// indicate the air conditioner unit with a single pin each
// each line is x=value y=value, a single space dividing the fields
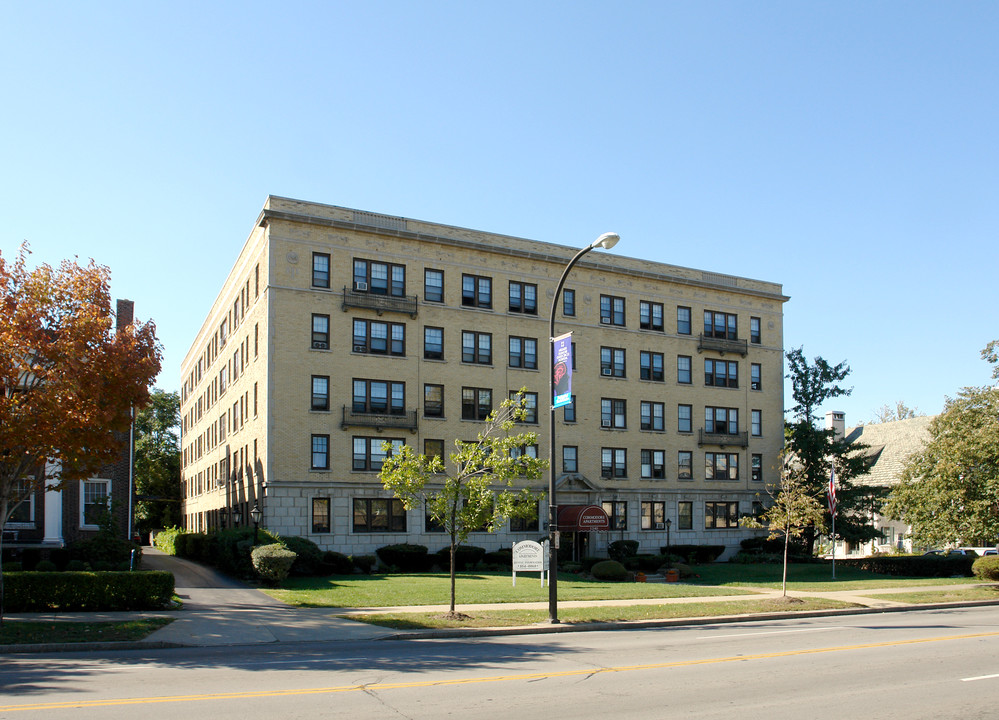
x=607 y=371
x=605 y=423
x=361 y=286
x=605 y=321
x=316 y=345
x=756 y=386
x=360 y=348
x=660 y=526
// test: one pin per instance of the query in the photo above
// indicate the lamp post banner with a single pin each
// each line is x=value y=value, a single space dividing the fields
x=562 y=370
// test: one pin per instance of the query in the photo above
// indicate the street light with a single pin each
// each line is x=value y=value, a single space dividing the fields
x=605 y=241
x=669 y=556
x=255 y=515
x=237 y=515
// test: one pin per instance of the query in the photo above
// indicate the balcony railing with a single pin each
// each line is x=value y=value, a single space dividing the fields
x=740 y=439
x=407 y=304
x=407 y=420
x=723 y=345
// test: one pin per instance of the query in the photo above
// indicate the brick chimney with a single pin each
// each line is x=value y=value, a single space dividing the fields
x=124 y=312
x=836 y=421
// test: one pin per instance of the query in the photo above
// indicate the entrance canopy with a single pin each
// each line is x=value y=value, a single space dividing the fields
x=582 y=518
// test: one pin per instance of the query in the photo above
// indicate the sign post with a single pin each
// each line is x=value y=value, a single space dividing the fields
x=530 y=556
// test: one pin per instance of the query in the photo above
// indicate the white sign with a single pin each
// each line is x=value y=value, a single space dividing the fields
x=529 y=556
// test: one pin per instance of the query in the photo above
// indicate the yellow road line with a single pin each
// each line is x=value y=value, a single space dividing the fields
x=471 y=681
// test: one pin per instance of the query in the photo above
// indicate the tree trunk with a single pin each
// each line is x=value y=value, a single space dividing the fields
x=452 y=574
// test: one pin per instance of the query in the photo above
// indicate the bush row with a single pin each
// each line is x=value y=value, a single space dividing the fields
x=913 y=565
x=88 y=591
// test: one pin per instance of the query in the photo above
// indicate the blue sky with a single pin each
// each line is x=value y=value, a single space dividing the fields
x=847 y=150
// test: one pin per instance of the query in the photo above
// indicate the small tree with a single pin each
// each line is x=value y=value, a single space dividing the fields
x=477 y=491
x=157 y=462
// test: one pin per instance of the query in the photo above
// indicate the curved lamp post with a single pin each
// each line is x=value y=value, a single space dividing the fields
x=605 y=241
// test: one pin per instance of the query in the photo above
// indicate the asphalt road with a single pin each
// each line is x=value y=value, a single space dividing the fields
x=938 y=664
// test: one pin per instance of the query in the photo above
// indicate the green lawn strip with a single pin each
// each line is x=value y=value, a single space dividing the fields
x=30 y=632
x=958 y=594
x=516 y=618
x=472 y=588
x=809 y=576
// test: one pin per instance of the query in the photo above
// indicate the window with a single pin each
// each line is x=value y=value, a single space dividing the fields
x=521 y=524
x=523 y=298
x=653 y=515
x=433 y=448
x=612 y=362
x=720 y=325
x=95 y=497
x=683 y=321
x=754 y=331
x=721 y=421
x=613 y=462
x=379 y=397
x=611 y=310
x=684 y=418
x=653 y=415
x=569 y=303
x=756 y=423
x=433 y=285
x=530 y=406
x=683 y=371
x=685 y=465
x=430 y=524
x=530 y=451
x=369 y=454
x=379 y=278
x=476 y=403
x=653 y=463
x=650 y=315
x=756 y=467
x=651 y=366
x=320 y=392
x=379 y=338
x=320 y=270
x=685 y=515
x=570 y=459
x=433 y=343
x=433 y=401
x=755 y=376
x=476 y=291
x=718 y=515
x=721 y=373
x=617 y=511
x=721 y=466
x=320 y=452
x=379 y=515
x=476 y=347
x=524 y=353
x=569 y=411
x=320 y=332
x=613 y=412
x=320 y=515
x=23 y=514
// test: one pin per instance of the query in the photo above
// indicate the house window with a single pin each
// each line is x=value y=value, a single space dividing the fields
x=569 y=411
x=612 y=362
x=523 y=298
x=613 y=462
x=756 y=423
x=24 y=513
x=372 y=515
x=433 y=285
x=320 y=270
x=684 y=418
x=433 y=343
x=569 y=303
x=617 y=511
x=379 y=278
x=653 y=463
x=520 y=524
x=685 y=515
x=721 y=466
x=721 y=421
x=719 y=515
x=653 y=515
x=476 y=291
x=379 y=397
x=721 y=373
x=570 y=459
x=433 y=401
x=683 y=321
x=530 y=406
x=320 y=392
x=95 y=496
x=524 y=353
x=476 y=347
x=720 y=325
x=320 y=515
x=755 y=376
x=476 y=403
x=379 y=338
x=685 y=465
x=683 y=372
x=613 y=413
x=653 y=415
x=433 y=448
x=320 y=452
x=368 y=453
x=651 y=366
x=756 y=467
x=650 y=315
x=320 y=332
x=754 y=331
x=611 y=310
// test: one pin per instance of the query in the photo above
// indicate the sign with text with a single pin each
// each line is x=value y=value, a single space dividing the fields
x=562 y=370
x=529 y=556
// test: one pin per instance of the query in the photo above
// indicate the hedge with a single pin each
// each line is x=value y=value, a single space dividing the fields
x=87 y=591
x=405 y=557
x=466 y=557
x=913 y=565
x=695 y=554
x=310 y=557
x=986 y=567
x=272 y=562
x=610 y=570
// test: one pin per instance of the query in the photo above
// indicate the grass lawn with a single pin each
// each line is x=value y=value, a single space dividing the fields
x=958 y=594
x=30 y=632
x=809 y=576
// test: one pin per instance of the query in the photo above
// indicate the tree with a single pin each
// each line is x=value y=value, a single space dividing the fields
x=157 y=462
x=901 y=411
x=794 y=509
x=949 y=490
x=68 y=379
x=990 y=354
x=478 y=490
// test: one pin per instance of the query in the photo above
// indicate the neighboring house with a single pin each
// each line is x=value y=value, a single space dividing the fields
x=53 y=518
x=338 y=329
x=889 y=445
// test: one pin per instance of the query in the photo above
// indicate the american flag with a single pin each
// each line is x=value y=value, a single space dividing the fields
x=832 y=490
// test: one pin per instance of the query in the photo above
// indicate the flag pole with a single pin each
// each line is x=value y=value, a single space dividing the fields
x=832 y=512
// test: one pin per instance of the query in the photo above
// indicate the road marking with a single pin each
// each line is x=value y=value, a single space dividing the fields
x=980 y=677
x=770 y=632
x=375 y=687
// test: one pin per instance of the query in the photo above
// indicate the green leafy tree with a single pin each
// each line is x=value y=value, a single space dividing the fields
x=157 y=462
x=476 y=490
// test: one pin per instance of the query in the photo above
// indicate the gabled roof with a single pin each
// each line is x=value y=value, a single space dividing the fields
x=889 y=444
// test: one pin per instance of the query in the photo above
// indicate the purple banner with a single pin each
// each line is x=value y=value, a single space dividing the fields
x=562 y=370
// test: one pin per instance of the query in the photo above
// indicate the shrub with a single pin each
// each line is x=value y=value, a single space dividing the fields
x=406 y=557
x=231 y=549
x=87 y=591
x=610 y=570
x=310 y=557
x=46 y=566
x=466 y=557
x=914 y=565
x=588 y=562
x=335 y=563
x=621 y=549
x=502 y=558
x=12 y=566
x=272 y=562
x=571 y=567
x=986 y=567
x=166 y=540
x=695 y=554
x=364 y=563
x=76 y=566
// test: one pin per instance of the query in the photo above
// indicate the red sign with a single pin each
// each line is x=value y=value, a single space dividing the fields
x=582 y=518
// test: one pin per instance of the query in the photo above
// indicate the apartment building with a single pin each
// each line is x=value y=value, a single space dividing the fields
x=339 y=329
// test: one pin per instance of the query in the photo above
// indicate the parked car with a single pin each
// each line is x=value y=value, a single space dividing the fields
x=980 y=550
